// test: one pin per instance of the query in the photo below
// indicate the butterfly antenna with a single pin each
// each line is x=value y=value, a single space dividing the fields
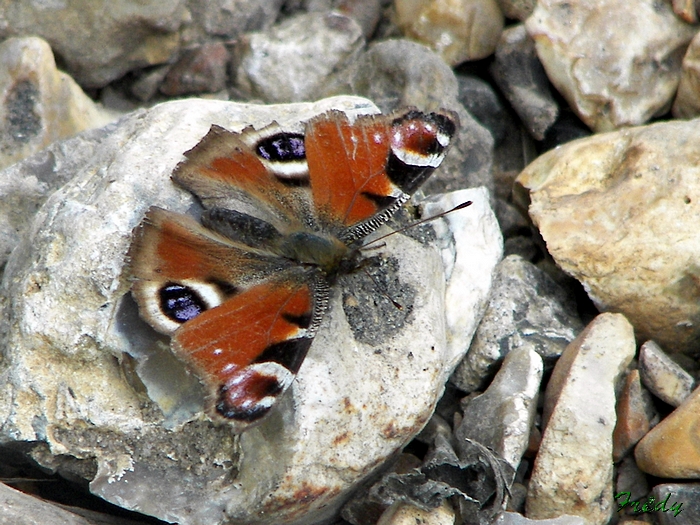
x=381 y=289
x=418 y=223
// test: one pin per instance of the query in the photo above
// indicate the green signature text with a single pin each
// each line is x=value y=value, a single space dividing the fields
x=648 y=505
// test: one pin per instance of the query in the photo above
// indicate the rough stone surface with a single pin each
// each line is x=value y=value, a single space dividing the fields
x=517 y=9
x=18 y=508
x=200 y=70
x=40 y=104
x=672 y=449
x=502 y=417
x=406 y=514
x=665 y=378
x=526 y=310
x=87 y=379
x=520 y=75
x=619 y=212
x=512 y=518
x=98 y=49
x=616 y=63
x=635 y=415
x=687 y=103
x=458 y=30
x=316 y=44
x=682 y=503
x=573 y=471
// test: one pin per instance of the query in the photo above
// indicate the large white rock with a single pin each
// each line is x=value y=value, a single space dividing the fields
x=82 y=377
x=616 y=63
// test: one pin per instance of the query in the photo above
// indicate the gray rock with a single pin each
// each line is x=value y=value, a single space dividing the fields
x=512 y=518
x=680 y=503
x=86 y=380
x=502 y=417
x=665 y=378
x=101 y=48
x=526 y=309
x=291 y=61
x=518 y=72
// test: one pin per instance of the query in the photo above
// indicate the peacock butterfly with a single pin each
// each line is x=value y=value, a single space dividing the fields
x=243 y=290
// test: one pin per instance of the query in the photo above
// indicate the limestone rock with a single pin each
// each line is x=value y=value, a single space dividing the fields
x=519 y=74
x=526 y=310
x=619 y=212
x=98 y=393
x=680 y=503
x=616 y=63
x=635 y=415
x=458 y=30
x=671 y=449
x=502 y=417
x=512 y=518
x=99 y=48
x=406 y=514
x=292 y=60
x=665 y=378
x=687 y=103
x=573 y=472
x=40 y=103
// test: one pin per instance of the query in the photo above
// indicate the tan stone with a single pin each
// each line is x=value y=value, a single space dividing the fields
x=40 y=103
x=616 y=63
x=635 y=415
x=672 y=448
x=405 y=514
x=458 y=30
x=687 y=103
x=619 y=212
x=573 y=471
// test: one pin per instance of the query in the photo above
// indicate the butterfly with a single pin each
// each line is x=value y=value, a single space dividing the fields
x=286 y=211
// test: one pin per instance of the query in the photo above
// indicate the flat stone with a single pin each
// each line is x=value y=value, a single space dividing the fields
x=635 y=415
x=618 y=213
x=671 y=449
x=665 y=378
x=687 y=102
x=518 y=72
x=502 y=417
x=94 y=390
x=517 y=9
x=512 y=518
x=458 y=30
x=100 y=48
x=406 y=514
x=526 y=309
x=573 y=471
x=616 y=63
x=680 y=503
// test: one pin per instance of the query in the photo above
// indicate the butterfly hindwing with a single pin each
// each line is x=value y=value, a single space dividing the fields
x=242 y=292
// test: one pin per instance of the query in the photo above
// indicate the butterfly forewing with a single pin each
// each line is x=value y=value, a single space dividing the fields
x=242 y=294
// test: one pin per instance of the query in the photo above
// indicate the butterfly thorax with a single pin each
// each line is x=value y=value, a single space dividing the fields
x=327 y=252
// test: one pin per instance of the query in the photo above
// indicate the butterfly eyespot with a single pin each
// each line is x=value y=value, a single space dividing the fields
x=180 y=303
x=249 y=395
x=282 y=147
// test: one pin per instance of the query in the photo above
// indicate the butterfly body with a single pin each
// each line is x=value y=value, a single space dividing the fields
x=286 y=211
